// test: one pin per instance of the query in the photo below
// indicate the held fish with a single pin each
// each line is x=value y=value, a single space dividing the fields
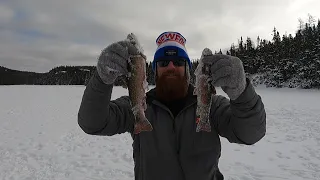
x=137 y=86
x=204 y=92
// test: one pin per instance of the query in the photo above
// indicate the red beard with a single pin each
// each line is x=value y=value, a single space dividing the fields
x=171 y=86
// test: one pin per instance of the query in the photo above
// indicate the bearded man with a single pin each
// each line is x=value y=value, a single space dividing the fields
x=173 y=150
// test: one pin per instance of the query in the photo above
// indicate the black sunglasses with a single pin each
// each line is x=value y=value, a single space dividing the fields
x=176 y=62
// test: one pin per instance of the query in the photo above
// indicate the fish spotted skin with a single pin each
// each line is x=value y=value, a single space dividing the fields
x=137 y=93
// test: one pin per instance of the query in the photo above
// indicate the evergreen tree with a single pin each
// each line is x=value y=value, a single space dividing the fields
x=291 y=61
x=285 y=61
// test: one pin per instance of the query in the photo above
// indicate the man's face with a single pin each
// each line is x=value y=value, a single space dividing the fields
x=171 y=80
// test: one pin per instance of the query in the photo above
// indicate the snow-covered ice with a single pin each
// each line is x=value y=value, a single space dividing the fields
x=40 y=139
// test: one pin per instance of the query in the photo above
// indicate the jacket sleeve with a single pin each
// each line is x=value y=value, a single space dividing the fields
x=98 y=115
x=241 y=121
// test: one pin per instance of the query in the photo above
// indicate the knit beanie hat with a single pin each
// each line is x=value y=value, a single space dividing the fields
x=170 y=44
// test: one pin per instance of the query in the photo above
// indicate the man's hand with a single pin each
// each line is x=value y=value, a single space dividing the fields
x=227 y=72
x=114 y=59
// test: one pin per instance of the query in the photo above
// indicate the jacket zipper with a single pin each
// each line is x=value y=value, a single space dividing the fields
x=185 y=108
x=165 y=108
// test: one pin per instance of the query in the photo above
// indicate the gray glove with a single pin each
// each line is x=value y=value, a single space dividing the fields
x=113 y=61
x=227 y=72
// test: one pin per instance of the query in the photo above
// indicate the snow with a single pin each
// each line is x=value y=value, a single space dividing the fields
x=87 y=70
x=40 y=139
x=60 y=72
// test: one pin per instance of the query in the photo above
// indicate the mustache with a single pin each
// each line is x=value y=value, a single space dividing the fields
x=171 y=73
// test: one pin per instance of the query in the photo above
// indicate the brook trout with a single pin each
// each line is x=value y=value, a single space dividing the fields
x=137 y=87
x=204 y=92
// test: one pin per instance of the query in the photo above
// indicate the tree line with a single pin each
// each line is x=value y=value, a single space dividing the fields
x=284 y=61
x=62 y=75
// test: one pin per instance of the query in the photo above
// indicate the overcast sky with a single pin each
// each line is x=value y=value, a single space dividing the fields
x=38 y=35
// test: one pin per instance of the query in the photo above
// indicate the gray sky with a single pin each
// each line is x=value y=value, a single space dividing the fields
x=38 y=35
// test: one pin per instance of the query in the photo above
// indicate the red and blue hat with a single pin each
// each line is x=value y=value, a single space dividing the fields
x=170 y=45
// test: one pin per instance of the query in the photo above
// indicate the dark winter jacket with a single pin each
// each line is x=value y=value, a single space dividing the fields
x=174 y=150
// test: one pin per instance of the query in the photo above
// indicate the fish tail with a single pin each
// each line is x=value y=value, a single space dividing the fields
x=142 y=124
x=203 y=126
